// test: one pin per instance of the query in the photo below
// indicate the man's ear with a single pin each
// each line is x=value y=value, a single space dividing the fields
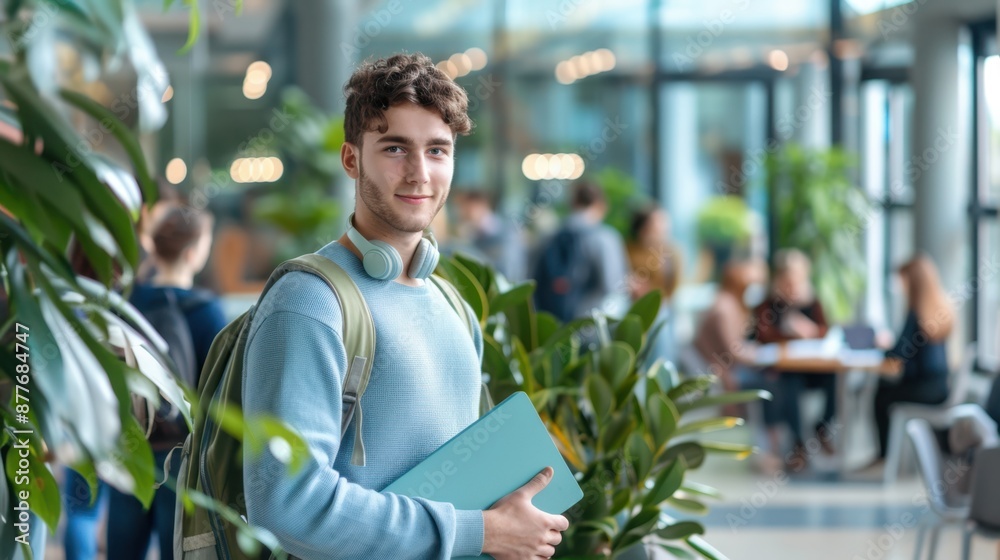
x=350 y=158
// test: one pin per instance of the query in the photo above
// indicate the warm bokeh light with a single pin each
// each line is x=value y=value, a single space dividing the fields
x=168 y=94
x=587 y=64
x=176 y=171
x=462 y=63
x=477 y=57
x=254 y=90
x=778 y=60
x=565 y=73
x=256 y=170
x=537 y=167
x=260 y=70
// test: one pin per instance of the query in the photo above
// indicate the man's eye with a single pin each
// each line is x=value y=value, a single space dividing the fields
x=394 y=149
x=437 y=152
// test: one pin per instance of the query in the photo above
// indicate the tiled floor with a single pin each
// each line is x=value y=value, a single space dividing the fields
x=803 y=517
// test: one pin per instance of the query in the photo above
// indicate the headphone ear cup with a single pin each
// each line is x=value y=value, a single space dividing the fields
x=425 y=260
x=382 y=262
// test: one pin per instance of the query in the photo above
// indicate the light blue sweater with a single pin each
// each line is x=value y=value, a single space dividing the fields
x=424 y=389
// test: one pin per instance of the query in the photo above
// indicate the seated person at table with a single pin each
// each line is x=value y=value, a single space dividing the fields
x=721 y=341
x=920 y=349
x=793 y=312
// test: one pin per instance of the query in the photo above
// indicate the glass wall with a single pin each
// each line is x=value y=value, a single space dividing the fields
x=987 y=200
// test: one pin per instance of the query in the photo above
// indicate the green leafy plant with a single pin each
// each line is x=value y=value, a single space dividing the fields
x=620 y=428
x=725 y=221
x=820 y=211
x=623 y=194
x=66 y=388
x=300 y=205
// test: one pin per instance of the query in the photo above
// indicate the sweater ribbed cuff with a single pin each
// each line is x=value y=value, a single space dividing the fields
x=469 y=533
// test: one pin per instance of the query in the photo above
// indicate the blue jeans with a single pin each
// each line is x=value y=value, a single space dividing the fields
x=80 y=539
x=130 y=526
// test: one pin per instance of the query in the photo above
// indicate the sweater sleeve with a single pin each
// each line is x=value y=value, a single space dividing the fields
x=293 y=371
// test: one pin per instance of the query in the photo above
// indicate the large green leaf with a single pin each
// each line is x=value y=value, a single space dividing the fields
x=124 y=136
x=688 y=505
x=601 y=397
x=615 y=362
x=709 y=425
x=691 y=389
x=483 y=274
x=467 y=285
x=523 y=362
x=741 y=451
x=663 y=418
x=692 y=452
x=62 y=149
x=695 y=488
x=640 y=455
x=615 y=433
x=725 y=398
x=646 y=309
x=517 y=295
x=681 y=530
x=666 y=483
x=547 y=325
x=630 y=331
x=130 y=467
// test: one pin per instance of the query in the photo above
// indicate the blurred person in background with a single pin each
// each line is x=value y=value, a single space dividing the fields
x=656 y=265
x=188 y=318
x=583 y=266
x=920 y=351
x=495 y=239
x=721 y=341
x=149 y=216
x=792 y=312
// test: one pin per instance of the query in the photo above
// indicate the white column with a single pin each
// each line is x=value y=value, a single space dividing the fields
x=939 y=159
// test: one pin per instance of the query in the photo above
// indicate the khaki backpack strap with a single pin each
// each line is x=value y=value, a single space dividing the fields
x=458 y=304
x=455 y=300
x=358 y=335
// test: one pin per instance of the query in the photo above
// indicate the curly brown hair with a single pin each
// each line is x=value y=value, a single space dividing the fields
x=402 y=78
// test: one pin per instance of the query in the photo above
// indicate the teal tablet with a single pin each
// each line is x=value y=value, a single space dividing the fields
x=494 y=456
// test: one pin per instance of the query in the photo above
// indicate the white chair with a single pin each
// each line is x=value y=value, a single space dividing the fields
x=939 y=415
x=984 y=509
x=947 y=506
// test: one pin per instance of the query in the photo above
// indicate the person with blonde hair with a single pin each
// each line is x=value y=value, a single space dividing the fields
x=920 y=351
x=793 y=312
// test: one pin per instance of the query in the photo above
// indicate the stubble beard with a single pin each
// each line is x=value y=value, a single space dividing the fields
x=374 y=198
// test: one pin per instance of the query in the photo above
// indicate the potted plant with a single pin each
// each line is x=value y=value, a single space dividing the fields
x=725 y=226
x=821 y=211
x=621 y=429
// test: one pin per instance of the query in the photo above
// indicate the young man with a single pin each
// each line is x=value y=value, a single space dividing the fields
x=401 y=122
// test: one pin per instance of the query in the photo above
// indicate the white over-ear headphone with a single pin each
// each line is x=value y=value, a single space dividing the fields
x=382 y=261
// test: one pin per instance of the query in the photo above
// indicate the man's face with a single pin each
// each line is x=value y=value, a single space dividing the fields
x=404 y=174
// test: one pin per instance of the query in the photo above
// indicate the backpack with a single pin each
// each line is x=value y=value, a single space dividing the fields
x=211 y=460
x=559 y=286
x=165 y=426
